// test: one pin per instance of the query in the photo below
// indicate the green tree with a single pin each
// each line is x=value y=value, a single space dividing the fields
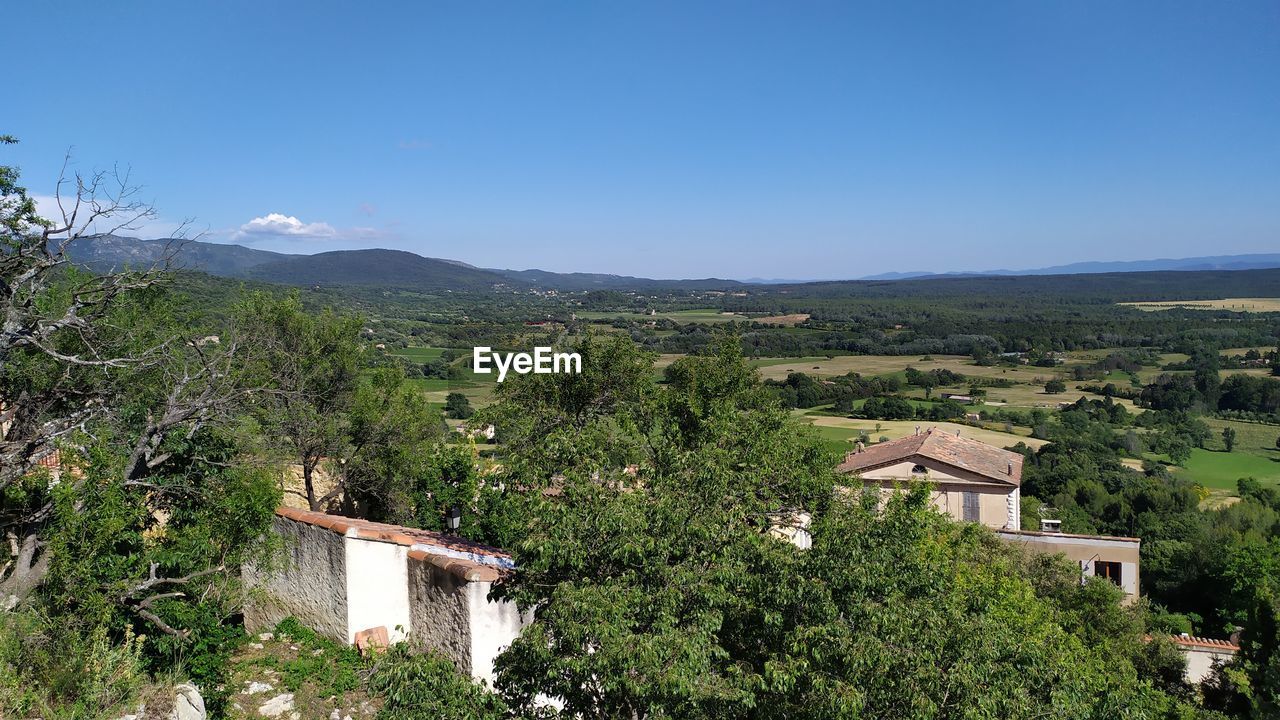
x=312 y=362
x=661 y=591
x=389 y=435
x=125 y=554
x=456 y=405
x=1055 y=386
x=1229 y=438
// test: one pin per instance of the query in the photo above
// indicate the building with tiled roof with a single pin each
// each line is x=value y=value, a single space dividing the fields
x=1204 y=654
x=976 y=482
x=972 y=480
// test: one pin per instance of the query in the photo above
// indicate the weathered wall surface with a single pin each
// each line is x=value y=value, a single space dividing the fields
x=310 y=583
x=342 y=575
x=440 y=611
x=1201 y=661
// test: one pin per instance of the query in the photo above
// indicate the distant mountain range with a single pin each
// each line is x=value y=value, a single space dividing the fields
x=377 y=267
x=1260 y=261
x=397 y=268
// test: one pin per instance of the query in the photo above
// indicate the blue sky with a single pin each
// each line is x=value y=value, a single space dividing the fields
x=673 y=139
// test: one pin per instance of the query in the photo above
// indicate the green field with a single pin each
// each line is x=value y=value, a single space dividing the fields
x=1221 y=470
x=419 y=354
x=709 y=316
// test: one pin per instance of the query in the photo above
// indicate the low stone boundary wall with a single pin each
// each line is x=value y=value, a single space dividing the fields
x=342 y=576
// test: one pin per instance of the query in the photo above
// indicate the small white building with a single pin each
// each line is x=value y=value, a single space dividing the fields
x=1204 y=654
x=345 y=577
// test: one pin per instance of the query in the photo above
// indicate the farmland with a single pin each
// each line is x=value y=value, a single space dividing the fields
x=1251 y=305
x=840 y=433
x=708 y=315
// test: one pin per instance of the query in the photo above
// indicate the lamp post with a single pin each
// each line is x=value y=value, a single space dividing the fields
x=453 y=519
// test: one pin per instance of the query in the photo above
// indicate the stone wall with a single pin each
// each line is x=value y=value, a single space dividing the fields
x=308 y=583
x=342 y=575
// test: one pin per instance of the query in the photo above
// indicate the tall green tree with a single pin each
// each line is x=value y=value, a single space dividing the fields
x=312 y=362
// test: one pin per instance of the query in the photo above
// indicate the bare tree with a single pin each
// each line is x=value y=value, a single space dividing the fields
x=67 y=360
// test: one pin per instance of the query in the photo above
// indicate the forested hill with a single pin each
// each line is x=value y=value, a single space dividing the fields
x=577 y=281
x=393 y=268
x=1102 y=287
x=368 y=268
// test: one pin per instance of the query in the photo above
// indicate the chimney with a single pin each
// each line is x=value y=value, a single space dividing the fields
x=1010 y=470
x=1050 y=526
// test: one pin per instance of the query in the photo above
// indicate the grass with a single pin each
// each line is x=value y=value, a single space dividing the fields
x=419 y=354
x=1220 y=470
x=1251 y=438
x=709 y=316
x=1028 y=382
x=1259 y=305
x=322 y=675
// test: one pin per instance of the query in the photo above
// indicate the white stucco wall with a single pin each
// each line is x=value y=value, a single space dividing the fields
x=1200 y=662
x=494 y=625
x=377 y=588
x=352 y=578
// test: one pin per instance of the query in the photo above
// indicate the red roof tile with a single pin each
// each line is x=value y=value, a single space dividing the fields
x=1199 y=643
x=964 y=453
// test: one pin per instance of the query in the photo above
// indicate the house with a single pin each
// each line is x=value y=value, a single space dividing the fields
x=350 y=579
x=1203 y=654
x=976 y=482
x=962 y=399
x=972 y=481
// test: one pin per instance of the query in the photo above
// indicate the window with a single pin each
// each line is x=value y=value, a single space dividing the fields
x=919 y=470
x=972 y=509
x=1107 y=569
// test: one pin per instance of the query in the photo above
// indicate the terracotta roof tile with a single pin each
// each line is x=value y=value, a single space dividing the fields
x=960 y=452
x=1191 y=641
x=463 y=558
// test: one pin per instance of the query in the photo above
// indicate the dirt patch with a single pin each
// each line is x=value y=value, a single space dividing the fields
x=793 y=319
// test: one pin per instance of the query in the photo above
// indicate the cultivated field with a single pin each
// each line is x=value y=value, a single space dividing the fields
x=709 y=316
x=794 y=319
x=418 y=354
x=841 y=433
x=1259 y=305
x=1027 y=391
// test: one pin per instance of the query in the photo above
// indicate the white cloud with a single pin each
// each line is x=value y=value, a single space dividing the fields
x=285 y=226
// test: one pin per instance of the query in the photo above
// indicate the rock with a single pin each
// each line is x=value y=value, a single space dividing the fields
x=265 y=636
x=277 y=706
x=258 y=687
x=335 y=715
x=188 y=705
x=256 y=646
